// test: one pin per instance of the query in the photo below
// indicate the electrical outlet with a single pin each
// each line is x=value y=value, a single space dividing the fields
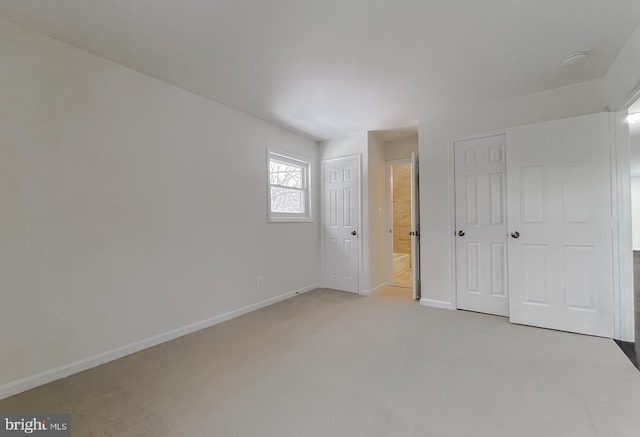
x=260 y=281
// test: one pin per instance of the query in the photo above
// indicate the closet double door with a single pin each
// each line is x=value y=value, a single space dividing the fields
x=534 y=225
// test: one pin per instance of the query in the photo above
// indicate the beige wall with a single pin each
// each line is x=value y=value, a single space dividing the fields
x=401 y=208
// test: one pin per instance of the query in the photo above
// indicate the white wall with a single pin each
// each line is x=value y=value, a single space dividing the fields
x=373 y=221
x=623 y=77
x=435 y=137
x=634 y=144
x=378 y=233
x=635 y=212
x=352 y=145
x=401 y=149
x=356 y=144
x=129 y=208
x=634 y=150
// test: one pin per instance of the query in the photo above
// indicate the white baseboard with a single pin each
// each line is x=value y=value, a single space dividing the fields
x=24 y=384
x=436 y=303
x=373 y=290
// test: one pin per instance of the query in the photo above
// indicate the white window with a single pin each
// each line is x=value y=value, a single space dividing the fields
x=289 y=194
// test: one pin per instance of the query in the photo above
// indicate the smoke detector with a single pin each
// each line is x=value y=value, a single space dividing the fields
x=574 y=58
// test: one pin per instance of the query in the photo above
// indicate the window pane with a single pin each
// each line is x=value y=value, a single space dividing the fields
x=285 y=174
x=287 y=201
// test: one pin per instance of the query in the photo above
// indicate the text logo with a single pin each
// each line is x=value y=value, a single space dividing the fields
x=35 y=425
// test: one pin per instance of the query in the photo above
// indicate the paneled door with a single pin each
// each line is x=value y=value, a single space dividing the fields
x=341 y=222
x=481 y=232
x=560 y=222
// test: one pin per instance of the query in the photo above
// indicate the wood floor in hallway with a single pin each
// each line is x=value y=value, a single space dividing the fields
x=404 y=278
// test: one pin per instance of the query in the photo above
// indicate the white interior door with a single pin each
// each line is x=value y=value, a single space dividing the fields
x=341 y=222
x=560 y=217
x=415 y=221
x=481 y=232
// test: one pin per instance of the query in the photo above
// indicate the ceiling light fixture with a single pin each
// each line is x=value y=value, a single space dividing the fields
x=633 y=118
x=574 y=58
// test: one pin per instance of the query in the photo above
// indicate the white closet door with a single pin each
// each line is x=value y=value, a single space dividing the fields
x=341 y=222
x=481 y=232
x=560 y=221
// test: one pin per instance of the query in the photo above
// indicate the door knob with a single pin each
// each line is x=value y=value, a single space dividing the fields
x=515 y=234
x=353 y=232
x=461 y=233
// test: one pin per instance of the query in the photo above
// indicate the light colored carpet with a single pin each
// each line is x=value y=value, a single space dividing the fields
x=328 y=363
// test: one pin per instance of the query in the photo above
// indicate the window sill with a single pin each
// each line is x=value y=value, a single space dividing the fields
x=289 y=220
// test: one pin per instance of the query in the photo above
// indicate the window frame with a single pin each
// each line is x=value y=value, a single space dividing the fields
x=298 y=161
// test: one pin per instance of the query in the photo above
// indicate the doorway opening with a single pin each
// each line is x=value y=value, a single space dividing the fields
x=399 y=180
